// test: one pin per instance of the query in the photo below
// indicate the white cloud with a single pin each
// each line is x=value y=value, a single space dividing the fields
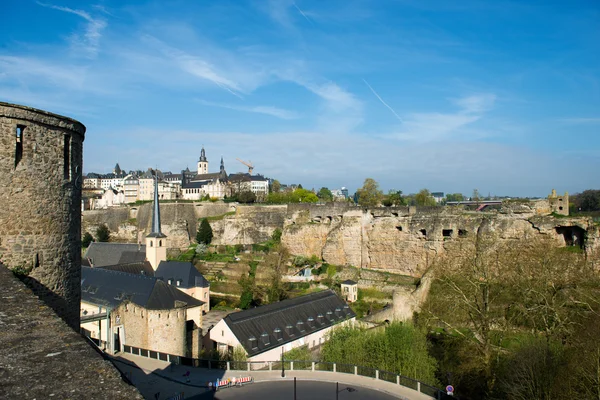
x=90 y=40
x=268 y=110
x=334 y=159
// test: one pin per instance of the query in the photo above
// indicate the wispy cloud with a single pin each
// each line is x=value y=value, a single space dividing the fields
x=382 y=101
x=90 y=40
x=427 y=127
x=196 y=66
x=267 y=110
x=476 y=103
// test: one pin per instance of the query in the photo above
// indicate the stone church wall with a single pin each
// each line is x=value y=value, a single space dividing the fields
x=40 y=201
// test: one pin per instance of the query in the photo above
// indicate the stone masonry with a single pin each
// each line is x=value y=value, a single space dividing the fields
x=40 y=200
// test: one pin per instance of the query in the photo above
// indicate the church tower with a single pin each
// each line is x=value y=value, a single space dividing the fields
x=156 y=241
x=202 y=163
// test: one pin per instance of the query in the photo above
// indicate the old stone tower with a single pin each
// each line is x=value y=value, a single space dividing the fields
x=40 y=202
x=202 y=163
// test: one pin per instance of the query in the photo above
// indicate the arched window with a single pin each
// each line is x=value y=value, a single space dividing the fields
x=159 y=243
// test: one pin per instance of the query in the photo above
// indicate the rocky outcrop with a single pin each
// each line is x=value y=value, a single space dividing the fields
x=403 y=240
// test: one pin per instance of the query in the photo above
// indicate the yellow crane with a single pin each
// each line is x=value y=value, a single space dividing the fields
x=247 y=164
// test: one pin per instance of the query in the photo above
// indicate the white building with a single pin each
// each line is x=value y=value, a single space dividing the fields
x=264 y=331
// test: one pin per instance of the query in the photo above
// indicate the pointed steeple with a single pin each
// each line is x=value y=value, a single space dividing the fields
x=202 y=155
x=156 y=212
x=222 y=164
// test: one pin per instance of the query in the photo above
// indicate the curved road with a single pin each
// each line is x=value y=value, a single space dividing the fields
x=310 y=390
x=159 y=380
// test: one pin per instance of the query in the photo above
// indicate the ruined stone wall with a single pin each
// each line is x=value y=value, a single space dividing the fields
x=250 y=224
x=40 y=195
x=408 y=242
x=158 y=330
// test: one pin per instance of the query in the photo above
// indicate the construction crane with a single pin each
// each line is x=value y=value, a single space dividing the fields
x=247 y=164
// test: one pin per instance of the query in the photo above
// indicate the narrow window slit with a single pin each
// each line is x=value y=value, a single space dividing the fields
x=19 y=144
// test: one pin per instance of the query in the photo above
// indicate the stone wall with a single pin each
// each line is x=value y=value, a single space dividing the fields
x=42 y=357
x=250 y=225
x=40 y=201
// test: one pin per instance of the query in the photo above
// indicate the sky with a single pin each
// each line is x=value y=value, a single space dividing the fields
x=499 y=96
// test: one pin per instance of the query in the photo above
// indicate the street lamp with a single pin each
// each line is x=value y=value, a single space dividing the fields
x=282 y=365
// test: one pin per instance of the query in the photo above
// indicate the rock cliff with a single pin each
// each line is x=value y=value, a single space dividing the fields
x=402 y=240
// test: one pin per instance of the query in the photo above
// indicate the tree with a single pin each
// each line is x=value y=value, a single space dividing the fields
x=394 y=198
x=103 y=233
x=400 y=348
x=87 y=239
x=205 y=233
x=369 y=194
x=424 y=198
x=588 y=200
x=325 y=194
x=246 y=197
x=303 y=196
x=276 y=186
x=455 y=197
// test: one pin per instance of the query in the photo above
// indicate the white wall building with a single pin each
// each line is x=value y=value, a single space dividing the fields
x=264 y=331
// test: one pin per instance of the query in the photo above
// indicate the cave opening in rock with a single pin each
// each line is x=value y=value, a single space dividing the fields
x=423 y=232
x=399 y=228
x=447 y=232
x=572 y=235
x=462 y=233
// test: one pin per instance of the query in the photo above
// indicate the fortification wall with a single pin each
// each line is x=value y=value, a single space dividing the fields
x=40 y=201
x=159 y=330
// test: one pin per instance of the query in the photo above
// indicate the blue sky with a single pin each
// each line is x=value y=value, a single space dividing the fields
x=502 y=96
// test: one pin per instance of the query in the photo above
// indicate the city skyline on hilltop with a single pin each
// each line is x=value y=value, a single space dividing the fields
x=499 y=96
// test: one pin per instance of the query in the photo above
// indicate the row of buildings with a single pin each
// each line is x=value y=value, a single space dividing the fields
x=131 y=295
x=187 y=185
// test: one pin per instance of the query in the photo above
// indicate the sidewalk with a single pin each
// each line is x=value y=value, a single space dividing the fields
x=196 y=382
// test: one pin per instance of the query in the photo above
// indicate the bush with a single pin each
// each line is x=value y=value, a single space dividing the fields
x=246 y=197
x=87 y=239
x=103 y=233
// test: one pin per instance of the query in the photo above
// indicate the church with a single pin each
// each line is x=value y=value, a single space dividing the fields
x=196 y=187
x=132 y=295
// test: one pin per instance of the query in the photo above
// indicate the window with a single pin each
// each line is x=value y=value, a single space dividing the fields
x=178 y=282
x=300 y=326
x=222 y=333
x=151 y=243
x=170 y=281
x=277 y=334
x=265 y=338
x=19 y=144
x=159 y=243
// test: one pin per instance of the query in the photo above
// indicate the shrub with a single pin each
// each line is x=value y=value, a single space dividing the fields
x=87 y=239
x=103 y=233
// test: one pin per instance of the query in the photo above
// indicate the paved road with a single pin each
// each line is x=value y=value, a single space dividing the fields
x=155 y=377
x=305 y=390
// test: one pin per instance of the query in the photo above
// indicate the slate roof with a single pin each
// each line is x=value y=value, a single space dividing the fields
x=183 y=271
x=111 y=288
x=348 y=282
x=137 y=268
x=103 y=254
x=263 y=328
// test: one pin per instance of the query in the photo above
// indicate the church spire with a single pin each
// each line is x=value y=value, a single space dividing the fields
x=156 y=212
x=202 y=155
x=222 y=164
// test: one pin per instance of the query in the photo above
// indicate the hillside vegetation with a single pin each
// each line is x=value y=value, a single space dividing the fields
x=516 y=321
